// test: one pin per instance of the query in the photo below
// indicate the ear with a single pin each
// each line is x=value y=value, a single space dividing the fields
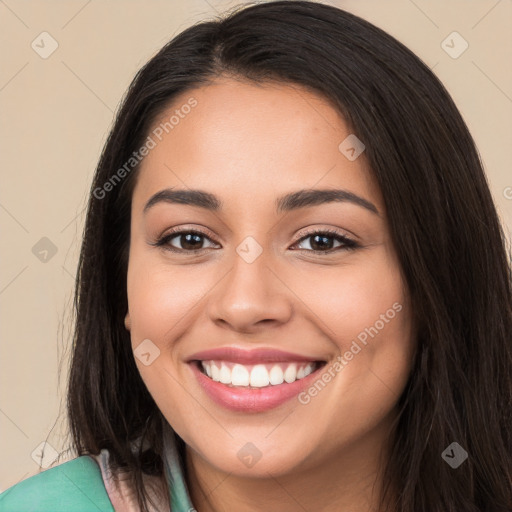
x=127 y=322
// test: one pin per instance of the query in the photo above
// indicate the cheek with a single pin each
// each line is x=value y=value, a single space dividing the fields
x=365 y=312
x=351 y=298
x=160 y=304
x=368 y=321
x=159 y=299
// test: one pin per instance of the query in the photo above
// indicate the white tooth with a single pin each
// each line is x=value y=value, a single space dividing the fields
x=300 y=373
x=215 y=372
x=239 y=375
x=276 y=375
x=225 y=374
x=259 y=376
x=309 y=368
x=290 y=373
x=207 y=368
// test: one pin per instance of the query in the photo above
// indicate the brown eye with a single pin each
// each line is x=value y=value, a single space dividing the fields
x=323 y=241
x=183 y=241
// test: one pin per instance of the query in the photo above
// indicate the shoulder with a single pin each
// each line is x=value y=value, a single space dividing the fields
x=73 y=486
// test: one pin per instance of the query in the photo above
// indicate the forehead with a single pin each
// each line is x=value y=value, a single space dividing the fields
x=250 y=143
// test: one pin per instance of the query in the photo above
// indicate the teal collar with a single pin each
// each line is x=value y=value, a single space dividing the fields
x=174 y=472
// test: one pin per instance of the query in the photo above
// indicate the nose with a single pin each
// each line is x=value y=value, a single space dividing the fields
x=251 y=297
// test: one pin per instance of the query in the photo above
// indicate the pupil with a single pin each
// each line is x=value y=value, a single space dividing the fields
x=188 y=242
x=323 y=244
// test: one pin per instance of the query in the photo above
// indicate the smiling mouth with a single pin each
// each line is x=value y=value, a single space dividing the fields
x=256 y=376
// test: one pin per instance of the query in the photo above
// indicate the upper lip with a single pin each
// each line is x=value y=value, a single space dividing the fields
x=255 y=356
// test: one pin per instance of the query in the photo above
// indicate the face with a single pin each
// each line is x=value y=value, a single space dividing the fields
x=274 y=334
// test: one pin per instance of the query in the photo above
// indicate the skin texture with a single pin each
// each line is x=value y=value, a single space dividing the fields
x=249 y=144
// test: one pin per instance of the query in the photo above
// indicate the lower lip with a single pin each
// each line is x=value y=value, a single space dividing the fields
x=251 y=399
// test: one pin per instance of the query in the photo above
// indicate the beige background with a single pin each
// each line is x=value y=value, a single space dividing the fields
x=55 y=115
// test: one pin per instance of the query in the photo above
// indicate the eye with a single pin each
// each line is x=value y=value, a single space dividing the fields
x=321 y=241
x=190 y=241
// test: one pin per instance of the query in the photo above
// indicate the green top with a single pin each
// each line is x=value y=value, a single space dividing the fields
x=84 y=485
x=74 y=486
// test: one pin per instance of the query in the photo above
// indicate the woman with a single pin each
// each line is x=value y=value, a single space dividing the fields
x=293 y=289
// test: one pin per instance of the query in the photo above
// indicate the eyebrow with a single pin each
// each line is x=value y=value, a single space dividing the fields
x=292 y=201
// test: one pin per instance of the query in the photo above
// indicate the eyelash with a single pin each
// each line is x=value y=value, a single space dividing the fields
x=348 y=243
